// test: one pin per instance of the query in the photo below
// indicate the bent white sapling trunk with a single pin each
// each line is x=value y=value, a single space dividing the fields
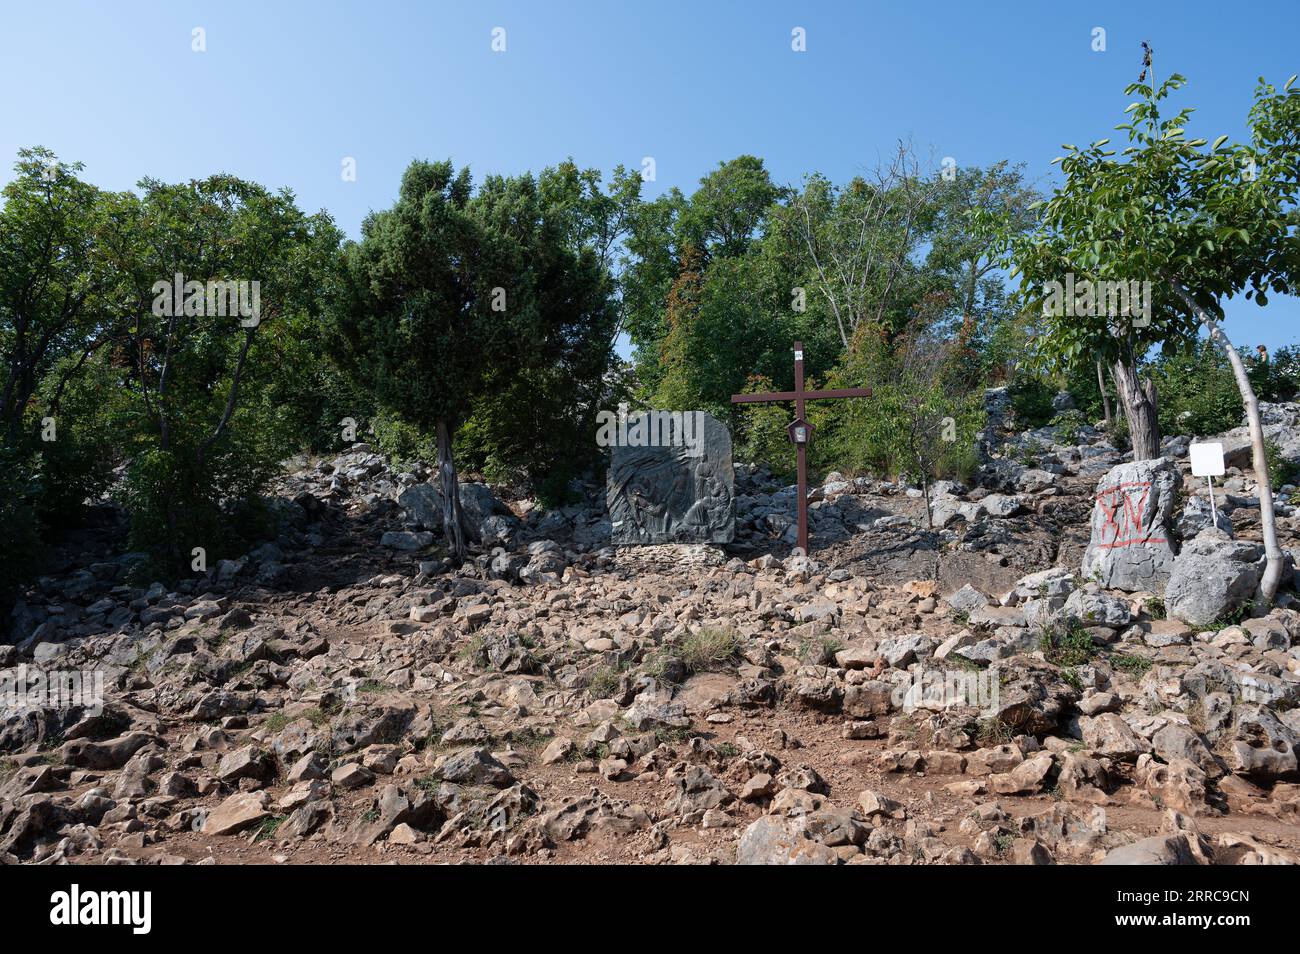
x=1274 y=563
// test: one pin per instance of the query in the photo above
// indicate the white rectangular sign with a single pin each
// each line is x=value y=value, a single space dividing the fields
x=1207 y=460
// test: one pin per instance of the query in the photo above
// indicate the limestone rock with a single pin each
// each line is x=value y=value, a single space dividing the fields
x=967 y=599
x=1175 y=849
x=1132 y=544
x=474 y=767
x=1212 y=576
x=236 y=813
x=1025 y=778
x=775 y=840
x=1094 y=608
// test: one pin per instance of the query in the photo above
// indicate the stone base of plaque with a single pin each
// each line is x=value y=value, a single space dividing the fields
x=668 y=555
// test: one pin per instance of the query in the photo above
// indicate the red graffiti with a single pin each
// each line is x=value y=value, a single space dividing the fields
x=1122 y=509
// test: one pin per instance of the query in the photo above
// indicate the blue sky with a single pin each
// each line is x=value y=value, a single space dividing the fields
x=286 y=90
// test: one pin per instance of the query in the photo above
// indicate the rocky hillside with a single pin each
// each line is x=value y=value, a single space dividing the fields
x=951 y=690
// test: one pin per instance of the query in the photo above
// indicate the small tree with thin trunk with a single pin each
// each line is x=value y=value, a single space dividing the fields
x=1202 y=222
x=924 y=407
x=931 y=401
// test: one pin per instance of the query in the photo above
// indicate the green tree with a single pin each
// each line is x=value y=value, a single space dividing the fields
x=51 y=277
x=924 y=410
x=1198 y=394
x=674 y=245
x=536 y=426
x=52 y=321
x=1203 y=221
x=861 y=239
x=215 y=281
x=966 y=258
x=726 y=323
x=452 y=297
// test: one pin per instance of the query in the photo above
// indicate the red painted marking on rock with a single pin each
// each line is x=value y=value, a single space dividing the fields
x=1129 y=530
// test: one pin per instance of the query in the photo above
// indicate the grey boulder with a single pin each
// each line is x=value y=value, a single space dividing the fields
x=1175 y=849
x=1132 y=544
x=1212 y=577
x=773 y=840
x=1097 y=609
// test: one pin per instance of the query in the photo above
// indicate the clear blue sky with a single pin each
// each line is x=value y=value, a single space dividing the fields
x=286 y=90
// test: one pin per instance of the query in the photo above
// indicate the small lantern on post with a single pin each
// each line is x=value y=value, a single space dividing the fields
x=799 y=431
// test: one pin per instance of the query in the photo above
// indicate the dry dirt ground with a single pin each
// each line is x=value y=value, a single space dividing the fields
x=363 y=705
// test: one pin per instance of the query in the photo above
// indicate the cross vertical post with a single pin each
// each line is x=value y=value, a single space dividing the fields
x=799 y=430
x=801 y=449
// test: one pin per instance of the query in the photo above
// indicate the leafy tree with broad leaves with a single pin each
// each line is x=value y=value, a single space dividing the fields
x=1203 y=222
x=200 y=424
x=924 y=410
x=727 y=319
x=191 y=402
x=966 y=263
x=51 y=278
x=675 y=246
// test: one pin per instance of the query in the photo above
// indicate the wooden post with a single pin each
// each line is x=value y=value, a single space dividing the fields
x=801 y=449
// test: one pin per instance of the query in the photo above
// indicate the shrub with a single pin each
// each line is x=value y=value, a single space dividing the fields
x=603 y=682
x=43 y=487
x=922 y=416
x=1278 y=378
x=1031 y=401
x=1197 y=392
x=1067 y=425
x=175 y=504
x=556 y=489
x=315 y=402
x=541 y=428
x=20 y=535
x=762 y=430
x=993 y=731
x=1067 y=644
x=1281 y=470
x=90 y=418
x=709 y=649
x=405 y=443
x=1117 y=433
x=1081 y=382
x=1136 y=666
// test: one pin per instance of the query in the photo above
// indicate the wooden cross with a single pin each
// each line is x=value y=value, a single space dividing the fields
x=799 y=430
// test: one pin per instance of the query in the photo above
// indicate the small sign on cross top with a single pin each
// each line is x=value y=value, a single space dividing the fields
x=799 y=430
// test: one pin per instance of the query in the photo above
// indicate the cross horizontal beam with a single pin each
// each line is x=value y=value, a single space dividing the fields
x=796 y=395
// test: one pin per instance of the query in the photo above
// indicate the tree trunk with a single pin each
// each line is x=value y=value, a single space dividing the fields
x=925 y=495
x=1274 y=563
x=449 y=487
x=1105 y=398
x=1138 y=398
